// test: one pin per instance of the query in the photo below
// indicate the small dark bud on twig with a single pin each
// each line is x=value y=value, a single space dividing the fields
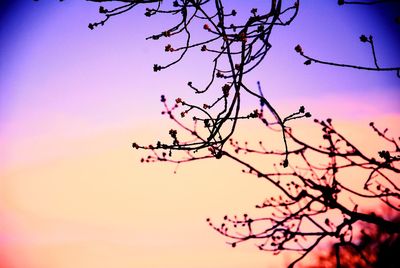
x=363 y=38
x=298 y=49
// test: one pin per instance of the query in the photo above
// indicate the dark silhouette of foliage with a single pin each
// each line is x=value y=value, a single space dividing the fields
x=313 y=191
x=374 y=248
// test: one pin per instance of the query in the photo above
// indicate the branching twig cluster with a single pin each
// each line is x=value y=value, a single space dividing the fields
x=312 y=204
x=314 y=190
x=236 y=47
x=317 y=198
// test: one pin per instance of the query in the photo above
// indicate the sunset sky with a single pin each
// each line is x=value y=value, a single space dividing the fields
x=73 y=193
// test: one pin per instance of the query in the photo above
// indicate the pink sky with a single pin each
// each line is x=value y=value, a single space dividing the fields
x=72 y=191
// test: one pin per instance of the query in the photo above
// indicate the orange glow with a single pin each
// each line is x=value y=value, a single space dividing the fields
x=101 y=207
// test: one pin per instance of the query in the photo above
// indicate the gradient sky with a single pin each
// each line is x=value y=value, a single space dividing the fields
x=72 y=191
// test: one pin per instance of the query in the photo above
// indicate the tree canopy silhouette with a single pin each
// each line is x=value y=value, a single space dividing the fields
x=374 y=248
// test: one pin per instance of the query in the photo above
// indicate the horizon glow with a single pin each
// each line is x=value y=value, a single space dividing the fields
x=72 y=190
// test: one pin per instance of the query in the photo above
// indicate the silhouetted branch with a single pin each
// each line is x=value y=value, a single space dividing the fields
x=342 y=2
x=310 y=207
x=236 y=49
x=364 y=39
x=314 y=190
